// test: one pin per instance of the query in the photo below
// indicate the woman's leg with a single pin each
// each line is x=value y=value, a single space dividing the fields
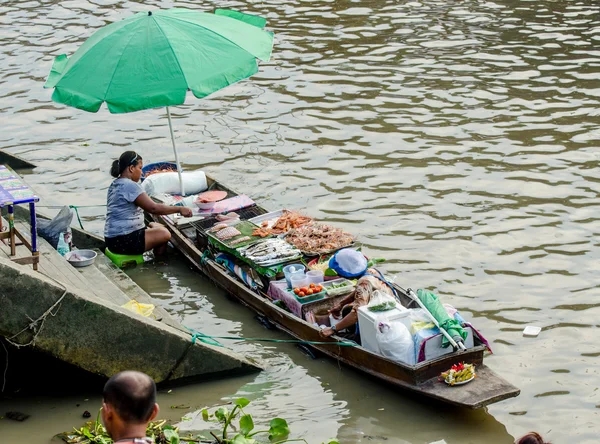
x=157 y=237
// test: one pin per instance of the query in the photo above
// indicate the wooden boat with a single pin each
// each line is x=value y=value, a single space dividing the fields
x=192 y=241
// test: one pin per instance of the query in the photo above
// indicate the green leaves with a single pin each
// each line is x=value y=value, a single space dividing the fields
x=241 y=402
x=171 y=435
x=278 y=430
x=221 y=414
x=246 y=424
x=241 y=439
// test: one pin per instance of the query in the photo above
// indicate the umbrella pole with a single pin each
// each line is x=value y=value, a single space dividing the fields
x=453 y=343
x=175 y=151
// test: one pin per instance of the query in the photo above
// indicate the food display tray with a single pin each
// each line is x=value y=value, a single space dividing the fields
x=271 y=218
x=246 y=228
x=311 y=298
x=337 y=291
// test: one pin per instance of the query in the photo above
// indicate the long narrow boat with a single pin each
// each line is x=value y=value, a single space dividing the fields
x=422 y=378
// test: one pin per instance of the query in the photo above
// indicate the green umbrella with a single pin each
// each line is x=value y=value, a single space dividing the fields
x=431 y=302
x=153 y=58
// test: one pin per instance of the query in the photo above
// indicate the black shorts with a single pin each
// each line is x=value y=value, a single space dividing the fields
x=132 y=243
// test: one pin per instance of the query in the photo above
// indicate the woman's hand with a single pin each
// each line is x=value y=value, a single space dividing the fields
x=326 y=332
x=185 y=211
x=335 y=310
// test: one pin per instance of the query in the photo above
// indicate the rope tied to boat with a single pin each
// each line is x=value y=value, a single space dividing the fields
x=77 y=214
x=33 y=324
x=74 y=207
x=212 y=340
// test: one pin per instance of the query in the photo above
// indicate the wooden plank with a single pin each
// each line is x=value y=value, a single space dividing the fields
x=52 y=263
x=103 y=288
x=132 y=290
x=29 y=260
x=87 y=278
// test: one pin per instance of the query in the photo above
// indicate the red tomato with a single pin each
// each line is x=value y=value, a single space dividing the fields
x=301 y=294
x=304 y=289
x=296 y=290
x=309 y=292
x=312 y=285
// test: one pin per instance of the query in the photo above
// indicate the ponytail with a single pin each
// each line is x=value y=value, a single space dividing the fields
x=114 y=169
x=127 y=159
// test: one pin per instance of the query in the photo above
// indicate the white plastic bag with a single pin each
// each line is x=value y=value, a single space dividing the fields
x=381 y=301
x=194 y=182
x=395 y=342
x=418 y=320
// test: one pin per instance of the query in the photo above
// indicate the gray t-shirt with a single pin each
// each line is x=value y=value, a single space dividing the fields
x=122 y=215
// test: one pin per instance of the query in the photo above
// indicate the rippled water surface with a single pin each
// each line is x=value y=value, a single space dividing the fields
x=459 y=140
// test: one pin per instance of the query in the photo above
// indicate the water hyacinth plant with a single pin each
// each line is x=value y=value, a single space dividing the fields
x=163 y=433
x=278 y=431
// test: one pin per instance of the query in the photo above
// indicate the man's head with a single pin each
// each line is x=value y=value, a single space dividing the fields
x=129 y=402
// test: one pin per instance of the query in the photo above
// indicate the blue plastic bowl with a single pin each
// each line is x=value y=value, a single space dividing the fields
x=159 y=165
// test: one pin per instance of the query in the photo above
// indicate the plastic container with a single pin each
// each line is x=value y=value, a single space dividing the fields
x=322 y=317
x=337 y=291
x=158 y=165
x=205 y=205
x=531 y=331
x=289 y=269
x=293 y=267
x=271 y=218
x=63 y=246
x=310 y=298
x=315 y=276
x=367 y=324
x=81 y=258
x=299 y=280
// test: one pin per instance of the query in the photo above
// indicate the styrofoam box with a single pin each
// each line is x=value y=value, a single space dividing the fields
x=434 y=349
x=367 y=324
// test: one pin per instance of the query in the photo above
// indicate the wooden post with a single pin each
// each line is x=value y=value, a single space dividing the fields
x=34 y=250
x=11 y=229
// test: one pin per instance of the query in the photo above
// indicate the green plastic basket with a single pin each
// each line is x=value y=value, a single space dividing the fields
x=311 y=298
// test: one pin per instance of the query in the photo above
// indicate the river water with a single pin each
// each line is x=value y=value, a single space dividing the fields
x=459 y=140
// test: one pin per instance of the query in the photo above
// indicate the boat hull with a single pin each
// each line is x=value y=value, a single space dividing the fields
x=486 y=389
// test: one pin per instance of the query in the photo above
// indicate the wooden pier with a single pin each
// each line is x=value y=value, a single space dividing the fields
x=90 y=329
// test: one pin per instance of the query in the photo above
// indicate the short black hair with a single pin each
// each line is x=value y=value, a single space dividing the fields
x=132 y=394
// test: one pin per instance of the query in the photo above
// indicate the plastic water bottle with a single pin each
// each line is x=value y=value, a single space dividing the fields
x=62 y=247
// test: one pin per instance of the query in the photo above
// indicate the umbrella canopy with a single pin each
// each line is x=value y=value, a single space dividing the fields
x=153 y=58
x=435 y=307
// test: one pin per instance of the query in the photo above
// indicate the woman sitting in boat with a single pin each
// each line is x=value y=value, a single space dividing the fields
x=365 y=287
x=125 y=231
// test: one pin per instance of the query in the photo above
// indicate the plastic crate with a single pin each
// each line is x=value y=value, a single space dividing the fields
x=311 y=298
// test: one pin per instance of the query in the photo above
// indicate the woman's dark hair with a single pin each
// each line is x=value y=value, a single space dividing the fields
x=127 y=159
x=531 y=438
